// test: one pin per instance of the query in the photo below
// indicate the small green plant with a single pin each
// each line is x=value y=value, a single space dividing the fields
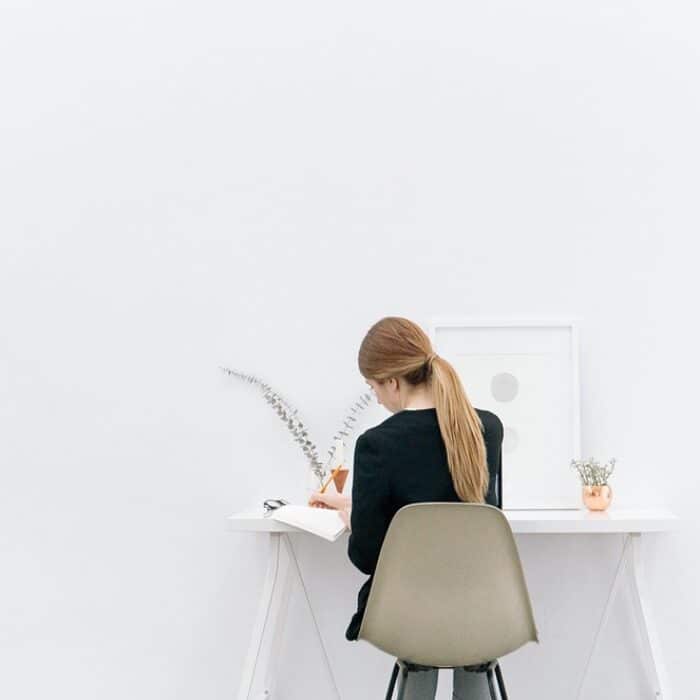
x=591 y=473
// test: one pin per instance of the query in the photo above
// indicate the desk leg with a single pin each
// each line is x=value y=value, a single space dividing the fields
x=647 y=628
x=632 y=555
x=271 y=665
x=606 y=612
x=257 y=663
x=293 y=557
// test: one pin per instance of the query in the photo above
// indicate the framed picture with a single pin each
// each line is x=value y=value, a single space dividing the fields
x=527 y=373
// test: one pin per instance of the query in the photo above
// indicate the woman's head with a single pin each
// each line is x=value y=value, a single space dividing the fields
x=396 y=358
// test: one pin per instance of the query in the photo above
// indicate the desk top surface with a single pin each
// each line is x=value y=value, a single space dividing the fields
x=581 y=521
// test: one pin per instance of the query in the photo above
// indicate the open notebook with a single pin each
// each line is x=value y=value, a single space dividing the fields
x=323 y=522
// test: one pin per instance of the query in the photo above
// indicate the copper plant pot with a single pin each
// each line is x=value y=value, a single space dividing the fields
x=597 y=497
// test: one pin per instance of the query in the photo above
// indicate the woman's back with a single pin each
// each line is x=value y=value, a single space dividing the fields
x=415 y=450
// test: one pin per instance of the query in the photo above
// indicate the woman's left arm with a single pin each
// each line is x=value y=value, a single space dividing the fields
x=494 y=445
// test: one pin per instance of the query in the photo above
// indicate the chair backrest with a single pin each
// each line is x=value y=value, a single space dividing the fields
x=449 y=588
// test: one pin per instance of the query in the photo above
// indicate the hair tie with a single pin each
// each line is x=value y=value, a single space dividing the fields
x=431 y=357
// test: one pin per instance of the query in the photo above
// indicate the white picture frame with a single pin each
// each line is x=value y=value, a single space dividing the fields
x=527 y=373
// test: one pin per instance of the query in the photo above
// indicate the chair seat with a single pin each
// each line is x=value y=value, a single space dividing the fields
x=448 y=589
x=448 y=592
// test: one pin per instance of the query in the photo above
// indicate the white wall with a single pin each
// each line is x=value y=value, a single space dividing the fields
x=188 y=185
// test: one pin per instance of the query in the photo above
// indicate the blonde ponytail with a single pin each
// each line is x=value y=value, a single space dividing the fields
x=461 y=430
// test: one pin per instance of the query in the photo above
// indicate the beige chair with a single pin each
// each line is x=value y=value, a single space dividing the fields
x=448 y=592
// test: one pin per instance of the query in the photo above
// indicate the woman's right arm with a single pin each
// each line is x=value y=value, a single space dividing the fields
x=336 y=501
x=371 y=506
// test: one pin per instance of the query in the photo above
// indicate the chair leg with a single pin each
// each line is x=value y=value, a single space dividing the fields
x=402 y=683
x=392 y=682
x=489 y=678
x=501 y=684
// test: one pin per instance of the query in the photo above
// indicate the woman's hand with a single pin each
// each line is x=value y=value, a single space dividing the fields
x=335 y=501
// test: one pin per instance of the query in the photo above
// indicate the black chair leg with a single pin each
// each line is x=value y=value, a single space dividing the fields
x=501 y=684
x=402 y=683
x=492 y=689
x=392 y=682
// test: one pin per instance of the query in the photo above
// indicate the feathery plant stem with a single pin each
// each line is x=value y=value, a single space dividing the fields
x=290 y=416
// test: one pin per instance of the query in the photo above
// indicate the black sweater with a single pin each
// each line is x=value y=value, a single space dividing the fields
x=400 y=461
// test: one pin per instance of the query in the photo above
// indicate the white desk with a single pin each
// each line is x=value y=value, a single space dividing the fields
x=631 y=523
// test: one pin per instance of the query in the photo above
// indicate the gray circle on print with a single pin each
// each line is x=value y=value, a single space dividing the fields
x=504 y=386
x=510 y=439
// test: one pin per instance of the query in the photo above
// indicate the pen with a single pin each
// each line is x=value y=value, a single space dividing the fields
x=330 y=478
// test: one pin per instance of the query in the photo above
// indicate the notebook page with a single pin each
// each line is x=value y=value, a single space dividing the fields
x=323 y=522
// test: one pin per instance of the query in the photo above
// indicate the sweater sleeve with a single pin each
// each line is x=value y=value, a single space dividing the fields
x=371 y=510
x=494 y=447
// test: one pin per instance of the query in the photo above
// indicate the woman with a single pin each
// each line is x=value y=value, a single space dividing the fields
x=435 y=447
